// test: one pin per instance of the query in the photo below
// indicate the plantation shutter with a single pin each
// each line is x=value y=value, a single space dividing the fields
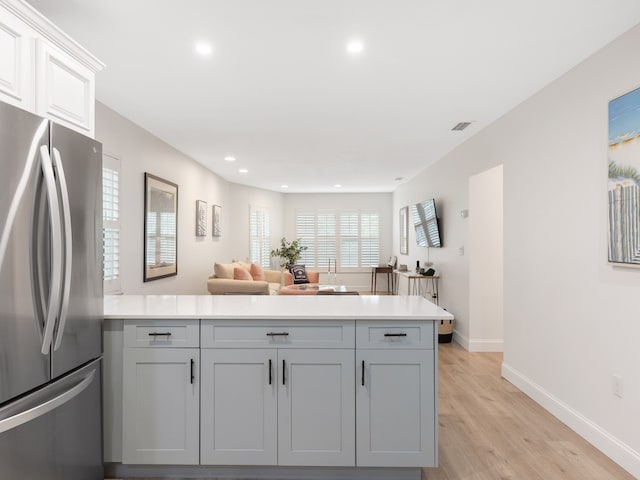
x=369 y=239
x=111 y=223
x=306 y=232
x=260 y=236
x=325 y=239
x=351 y=237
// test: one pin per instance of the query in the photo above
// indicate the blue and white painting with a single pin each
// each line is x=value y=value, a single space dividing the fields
x=624 y=179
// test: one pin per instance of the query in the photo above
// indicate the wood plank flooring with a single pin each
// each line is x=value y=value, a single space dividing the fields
x=490 y=430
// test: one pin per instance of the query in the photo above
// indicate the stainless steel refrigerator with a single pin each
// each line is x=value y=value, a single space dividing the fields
x=50 y=300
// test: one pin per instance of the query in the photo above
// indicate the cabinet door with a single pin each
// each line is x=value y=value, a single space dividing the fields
x=65 y=90
x=396 y=419
x=239 y=407
x=316 y=407
x=160 y=406
x=16 y=79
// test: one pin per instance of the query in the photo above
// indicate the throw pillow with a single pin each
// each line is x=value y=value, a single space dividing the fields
x=240 y=273
x=257 y=273
x=223 y=270
x=299 y=274
x=245 y=265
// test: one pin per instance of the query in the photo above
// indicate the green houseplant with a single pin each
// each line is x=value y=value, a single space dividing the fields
x=289 y=252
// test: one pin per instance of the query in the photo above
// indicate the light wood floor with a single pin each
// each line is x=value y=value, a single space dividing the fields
x=490 y=430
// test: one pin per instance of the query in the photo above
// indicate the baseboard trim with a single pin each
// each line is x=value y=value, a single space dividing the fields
x=118 y=470
x=614 y=448
x=478 y=345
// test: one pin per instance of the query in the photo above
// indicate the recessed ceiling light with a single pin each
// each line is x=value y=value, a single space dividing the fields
x=243 y=170
x=229 y=159
x=284 y=186
x=337 y=185
x=203 y=49
x=355 y=47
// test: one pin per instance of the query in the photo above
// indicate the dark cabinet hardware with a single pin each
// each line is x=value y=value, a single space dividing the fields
x=395 y=334
x=270 y=368
x=193 y=366
x=284 y=369
x=160 y=334
x=277 y=334
x=363 y=373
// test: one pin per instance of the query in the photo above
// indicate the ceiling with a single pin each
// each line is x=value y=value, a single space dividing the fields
x=281 y=94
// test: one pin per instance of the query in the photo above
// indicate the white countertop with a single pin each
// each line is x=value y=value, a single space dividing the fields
x=274 y=307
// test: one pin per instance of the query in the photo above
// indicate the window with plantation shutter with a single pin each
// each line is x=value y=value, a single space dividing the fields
x=349 y=238
x=111 y=223
x=260 y=233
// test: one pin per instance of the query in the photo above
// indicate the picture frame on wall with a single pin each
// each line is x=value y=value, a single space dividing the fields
x=624 y=180
x=404 y=231
x=216 y=230
x=201 y=218
x=160 y=228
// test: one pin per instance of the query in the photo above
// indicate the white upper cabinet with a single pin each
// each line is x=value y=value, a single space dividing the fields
x=43 y=70
x=16 y=79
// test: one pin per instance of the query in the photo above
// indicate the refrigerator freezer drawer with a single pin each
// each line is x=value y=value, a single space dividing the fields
x=62 y=440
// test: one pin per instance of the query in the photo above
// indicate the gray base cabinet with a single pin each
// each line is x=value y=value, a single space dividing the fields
x=161 y=395
x=281 y=393
x=396 y=394
x=276 y=393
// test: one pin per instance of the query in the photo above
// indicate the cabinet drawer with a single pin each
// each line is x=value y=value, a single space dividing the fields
x=275 y=334
x=404 y=335
x=162 y=333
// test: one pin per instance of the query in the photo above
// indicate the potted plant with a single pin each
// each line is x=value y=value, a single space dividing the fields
x=289 y=252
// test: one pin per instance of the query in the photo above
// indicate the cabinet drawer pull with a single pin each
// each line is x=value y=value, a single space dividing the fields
x=160 y=334
x=363 y=373
x=278 y=334
x=284 y=369
x=395 y=334
x=193 y=366
x=270 y=368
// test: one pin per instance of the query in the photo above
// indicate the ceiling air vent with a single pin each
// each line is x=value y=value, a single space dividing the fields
x=460 y=126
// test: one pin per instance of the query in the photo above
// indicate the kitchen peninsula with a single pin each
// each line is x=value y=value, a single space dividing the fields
x=269 y=387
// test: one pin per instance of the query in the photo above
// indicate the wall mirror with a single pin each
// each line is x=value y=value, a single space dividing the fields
x=404 y=230
x=160 y=228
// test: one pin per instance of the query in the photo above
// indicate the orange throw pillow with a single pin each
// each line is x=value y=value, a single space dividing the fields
x=240 y=273
x=257 y=273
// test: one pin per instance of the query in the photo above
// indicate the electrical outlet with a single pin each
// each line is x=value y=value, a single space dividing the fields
x=618 y=390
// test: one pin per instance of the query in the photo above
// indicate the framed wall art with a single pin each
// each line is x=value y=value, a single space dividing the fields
x=624 y=179
x=404 y=231
x=160 y=228
x=217 y=228
x=201 y=218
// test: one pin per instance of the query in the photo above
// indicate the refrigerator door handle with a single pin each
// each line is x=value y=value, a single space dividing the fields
x=56 y=249
x=68 y=247
x=45 y=407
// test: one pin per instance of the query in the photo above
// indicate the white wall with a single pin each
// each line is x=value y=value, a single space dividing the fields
x=486 y=262
x=345 y=201
x=141 y=152
x=570 y=318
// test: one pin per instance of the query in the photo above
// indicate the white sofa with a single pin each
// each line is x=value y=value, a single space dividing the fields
x=222 y=282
